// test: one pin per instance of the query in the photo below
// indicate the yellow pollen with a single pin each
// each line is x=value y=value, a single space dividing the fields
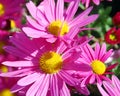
x=12 y=24
x=6 y=92
x=98 y=67
x=51 y=62
x=112 y=37
x=2 y=10
x=58 y=28
x=3 y=69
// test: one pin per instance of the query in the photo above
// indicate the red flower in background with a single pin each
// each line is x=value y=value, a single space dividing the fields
x=116 y=19
x=113 y=36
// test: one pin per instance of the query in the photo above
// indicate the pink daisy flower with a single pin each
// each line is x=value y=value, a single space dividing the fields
x=111 y=88
x=44 y=67
x=51 y=21
x=96 y=60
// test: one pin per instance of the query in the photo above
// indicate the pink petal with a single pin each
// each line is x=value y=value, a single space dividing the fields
x=80 y=17
x=31 y=8
x=71 y=10
x=102 y=51
x=97 y=2
x=34 y=23
x=59 y=9
x=34 y=33
x=65 y=91
x=35 y=87
x=67 y=78
x=116 y=82
x=16 y=88
x=43 y=89
x=28 y=79
x=102 y=91
x=109 y=88
x=15 y=73
x=55 y=88
x=18 y=63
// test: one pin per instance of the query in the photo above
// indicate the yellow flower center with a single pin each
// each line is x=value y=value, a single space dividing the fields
x=2 y=10
x=6 y=92
x=58 y=28
x=112 y=37
x=12 y=24
x=51 y=62
x=98 y=67
x=3 y=69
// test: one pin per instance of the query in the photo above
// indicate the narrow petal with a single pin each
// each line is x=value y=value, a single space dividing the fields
x=116 y=82
x=34 y=23
x=102 y=51
x=67 y=78
x=54 y=85
x=16 y=88
x=49 y=9
x=81 y=16
x=65 y=91
x=15 y=73
x=102 y=90
x=31 y=8
x=97 y=50
x=18 y=63
x=59 y=9
x=28 y=79
x=107 y=55
x=35 y=87
x=109 y=88
x=34 y=33
x=43 y=89
x=71 y=10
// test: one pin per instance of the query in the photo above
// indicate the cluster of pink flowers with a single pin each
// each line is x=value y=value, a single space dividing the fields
x=49 y=56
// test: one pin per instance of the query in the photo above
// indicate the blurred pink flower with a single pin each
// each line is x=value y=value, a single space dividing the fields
x=10 y=13
x=110 y=88
x=51 y=21
x=44 y=67
x=96 y=60
x=87 y=2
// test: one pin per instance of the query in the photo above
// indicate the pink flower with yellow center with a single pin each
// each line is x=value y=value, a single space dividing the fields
x=110 y=88
x=51 y=20
x=96 y=60
x=44 y=67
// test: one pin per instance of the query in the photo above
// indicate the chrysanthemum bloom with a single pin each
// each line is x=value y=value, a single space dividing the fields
x=10 y=12
x=113 y=36
x=51 y=21
x=111 y=88
x=96 y=60
x=44 y=67
x=116 y=19
x=87 y=2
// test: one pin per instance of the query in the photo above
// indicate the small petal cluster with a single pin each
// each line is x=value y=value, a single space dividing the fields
x=52 y=21
x=110 y=88
x=96 y=60
x=87 y=2
x=112 y=36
